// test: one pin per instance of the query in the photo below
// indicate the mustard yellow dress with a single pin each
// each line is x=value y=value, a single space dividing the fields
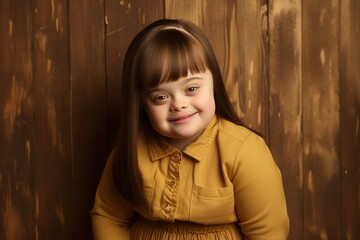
x=225 y=185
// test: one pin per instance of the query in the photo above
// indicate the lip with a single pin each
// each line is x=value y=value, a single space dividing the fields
x=182 y=119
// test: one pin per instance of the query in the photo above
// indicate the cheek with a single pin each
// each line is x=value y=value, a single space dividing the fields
x=210 y=106
x=155 y=115
x=206 y=102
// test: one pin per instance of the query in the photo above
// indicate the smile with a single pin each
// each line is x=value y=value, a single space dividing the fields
x=182 y=119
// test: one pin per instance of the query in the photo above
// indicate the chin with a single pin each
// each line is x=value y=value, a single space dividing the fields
x=194 y=134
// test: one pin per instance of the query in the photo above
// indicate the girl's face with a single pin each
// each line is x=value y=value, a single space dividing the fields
x=180 y=110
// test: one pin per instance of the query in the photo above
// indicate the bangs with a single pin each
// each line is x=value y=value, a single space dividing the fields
x=171 y=55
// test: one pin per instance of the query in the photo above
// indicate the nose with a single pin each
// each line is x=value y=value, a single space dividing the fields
x=178 y=104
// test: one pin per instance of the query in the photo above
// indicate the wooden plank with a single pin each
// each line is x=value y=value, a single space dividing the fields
x=17 y=196
x=52 y=147
x=87 y=108
x=252 y=27
x=350 y=118
x=285 y=103
x=124 y=19
x=237 y=31
x=321 y=108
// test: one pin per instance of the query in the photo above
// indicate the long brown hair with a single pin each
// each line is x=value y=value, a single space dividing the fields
x=163 y=51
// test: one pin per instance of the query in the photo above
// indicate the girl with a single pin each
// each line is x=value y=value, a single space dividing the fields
x=184 y=166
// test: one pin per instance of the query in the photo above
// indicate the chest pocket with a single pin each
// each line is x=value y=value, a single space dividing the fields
x=212 y=205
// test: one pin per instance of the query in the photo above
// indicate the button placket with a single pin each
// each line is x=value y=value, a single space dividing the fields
x=169 y=195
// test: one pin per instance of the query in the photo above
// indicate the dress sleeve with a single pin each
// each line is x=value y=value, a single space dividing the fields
x=259 y=195
x=111 y=215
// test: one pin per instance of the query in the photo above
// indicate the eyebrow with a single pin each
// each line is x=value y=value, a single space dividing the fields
x=185 y=79
x=192 y=78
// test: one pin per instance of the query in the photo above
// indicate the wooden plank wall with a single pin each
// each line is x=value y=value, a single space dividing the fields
x=349 y=58
x=321 y=105
x=291 y=69
x=285 y=112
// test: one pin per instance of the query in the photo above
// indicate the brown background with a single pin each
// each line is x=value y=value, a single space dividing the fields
x=292 y=69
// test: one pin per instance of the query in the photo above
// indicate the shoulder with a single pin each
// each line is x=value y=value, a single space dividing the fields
x=234 y=132
x=236 y=141
x=243 y=150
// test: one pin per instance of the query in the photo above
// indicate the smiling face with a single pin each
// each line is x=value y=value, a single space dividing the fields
x=180 y=110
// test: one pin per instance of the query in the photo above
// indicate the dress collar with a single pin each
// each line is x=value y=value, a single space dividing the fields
x=158 y=148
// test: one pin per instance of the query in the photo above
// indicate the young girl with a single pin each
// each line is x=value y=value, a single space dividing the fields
x=184 y=166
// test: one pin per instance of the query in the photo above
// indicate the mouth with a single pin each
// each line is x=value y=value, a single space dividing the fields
x=182 y=119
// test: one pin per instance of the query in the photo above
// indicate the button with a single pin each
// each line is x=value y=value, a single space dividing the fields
x=176 y=156
x=172 y=183
x=169 y=208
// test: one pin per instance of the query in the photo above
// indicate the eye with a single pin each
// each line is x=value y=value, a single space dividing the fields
x=191 y=90
x=158 y=99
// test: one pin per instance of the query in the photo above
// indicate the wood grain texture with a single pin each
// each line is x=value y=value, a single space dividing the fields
x=285 y=81
x=350 y=118
x=321 y=121
x=124 y=19
x=87 y=107
x=291 y=69
x=237 y=31
x=253 y=42
x=52 y=145
x=17 y=194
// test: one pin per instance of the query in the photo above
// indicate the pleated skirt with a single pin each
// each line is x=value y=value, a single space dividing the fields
x=144 y=229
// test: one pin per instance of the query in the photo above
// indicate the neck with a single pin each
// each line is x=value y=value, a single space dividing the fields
x=181 y=144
